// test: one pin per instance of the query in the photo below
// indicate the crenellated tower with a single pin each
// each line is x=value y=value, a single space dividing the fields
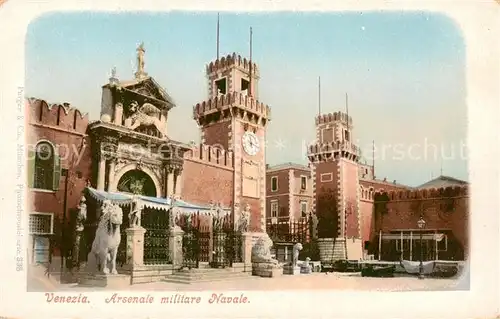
x=334 y=159
x=233 y=119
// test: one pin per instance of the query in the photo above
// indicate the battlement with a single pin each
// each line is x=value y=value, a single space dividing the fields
x=229 y=100
x=62 y=115
x=237 y=60
x=431 y=193
x=210 y=154
x=332 y=147
x=333 y=117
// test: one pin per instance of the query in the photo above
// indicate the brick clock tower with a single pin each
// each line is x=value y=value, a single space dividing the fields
x=335 y=171
x=233 y=119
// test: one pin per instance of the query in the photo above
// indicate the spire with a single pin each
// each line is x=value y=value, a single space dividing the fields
x=140 y=74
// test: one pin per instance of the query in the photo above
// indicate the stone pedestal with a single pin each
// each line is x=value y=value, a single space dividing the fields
x=269 y=270
x=175 y=246
x=135 y=246
x=246 y=253
x=305 y=269
x=101 y=280
x=291 y=270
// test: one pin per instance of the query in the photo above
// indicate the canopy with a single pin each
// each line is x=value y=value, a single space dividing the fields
x=123 y=199
x=415 y=236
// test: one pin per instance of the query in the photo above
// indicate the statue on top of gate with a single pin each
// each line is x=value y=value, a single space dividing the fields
x=218 y=217
x=134 y=216
x=244 y=219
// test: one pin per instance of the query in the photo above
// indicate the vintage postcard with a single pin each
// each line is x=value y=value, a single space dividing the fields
x=210 y=163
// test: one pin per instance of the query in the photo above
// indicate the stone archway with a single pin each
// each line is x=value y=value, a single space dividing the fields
x=113 y=187
x=137 y=182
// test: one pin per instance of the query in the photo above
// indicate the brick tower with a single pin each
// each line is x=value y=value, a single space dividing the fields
x=335 y=171
x=233 y=119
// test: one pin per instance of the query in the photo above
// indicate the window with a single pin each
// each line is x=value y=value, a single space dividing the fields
x=327 y=177
x=41 y=223
x=303 y=208
x=274 y=184
x=245 y=85
x=44 y=167
x=221 y=86
x=346 y=134
x=303 y=182
x=274 y=209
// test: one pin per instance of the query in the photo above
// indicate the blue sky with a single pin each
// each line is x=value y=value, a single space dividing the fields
x=404 y=73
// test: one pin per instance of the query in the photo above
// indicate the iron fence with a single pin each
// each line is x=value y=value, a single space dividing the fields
x=156 y=238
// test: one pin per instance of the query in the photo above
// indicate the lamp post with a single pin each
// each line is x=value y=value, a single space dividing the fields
x=421 y=226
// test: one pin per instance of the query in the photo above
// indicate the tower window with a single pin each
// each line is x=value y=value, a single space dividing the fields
x=245 y=85
x=346 y=134
x=221 y=86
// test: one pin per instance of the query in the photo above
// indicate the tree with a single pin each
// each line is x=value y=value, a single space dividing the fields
x=327 y=213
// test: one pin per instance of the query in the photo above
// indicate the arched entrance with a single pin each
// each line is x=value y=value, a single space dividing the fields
x=137 y=182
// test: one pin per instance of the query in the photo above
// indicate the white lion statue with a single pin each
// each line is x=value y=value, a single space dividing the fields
x=107 y=239
x=296 y=249
x=261 y=252
x=147 y=115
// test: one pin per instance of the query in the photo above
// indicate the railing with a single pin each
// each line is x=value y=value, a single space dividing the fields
x=156 y=238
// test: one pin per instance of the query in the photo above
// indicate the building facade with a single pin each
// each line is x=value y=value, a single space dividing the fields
x=289 y=192
x=128 y=149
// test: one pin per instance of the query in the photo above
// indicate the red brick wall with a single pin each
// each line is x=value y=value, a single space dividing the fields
x=403 y=212
x=203 y=182
x=68 y=141
x=217 y=133
x=350 y=190
x=367 y=222
x=381 y=185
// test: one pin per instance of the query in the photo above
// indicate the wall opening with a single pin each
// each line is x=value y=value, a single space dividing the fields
x=221 y=86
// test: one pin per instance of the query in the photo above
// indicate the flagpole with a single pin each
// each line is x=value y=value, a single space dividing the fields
x=250 y=73
x=319 y=95
x=218 y=27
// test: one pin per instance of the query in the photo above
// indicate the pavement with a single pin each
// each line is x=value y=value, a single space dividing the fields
x=314 y=281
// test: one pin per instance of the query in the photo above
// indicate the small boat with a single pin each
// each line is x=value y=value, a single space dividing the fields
x=413 y=267
x=378 y=271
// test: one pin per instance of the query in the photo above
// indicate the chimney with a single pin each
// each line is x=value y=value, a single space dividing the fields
x=394 y=182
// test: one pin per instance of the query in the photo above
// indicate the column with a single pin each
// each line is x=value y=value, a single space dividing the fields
x=246 y=253
x=135 y=246
x=436 y=245
x=175 y=246
x=101 y=173
x=111 y=174
x=411 y=245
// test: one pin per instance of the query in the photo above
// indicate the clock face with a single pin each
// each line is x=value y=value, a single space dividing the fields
x=251 y=143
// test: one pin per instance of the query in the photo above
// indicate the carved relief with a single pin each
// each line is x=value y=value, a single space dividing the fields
x=146 y=115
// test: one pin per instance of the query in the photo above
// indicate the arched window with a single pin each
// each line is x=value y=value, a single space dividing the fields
x=45 y=167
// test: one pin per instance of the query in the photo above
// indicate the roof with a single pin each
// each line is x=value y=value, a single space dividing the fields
x=384 y=182
x=288 y=165
x=152 y=202
x=443 y=181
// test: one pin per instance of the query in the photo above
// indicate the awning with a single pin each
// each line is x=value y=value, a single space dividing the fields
x=415 y=236
x=124 y=199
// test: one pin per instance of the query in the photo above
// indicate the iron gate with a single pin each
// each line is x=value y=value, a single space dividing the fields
x=226 y=244
x=156 y=248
